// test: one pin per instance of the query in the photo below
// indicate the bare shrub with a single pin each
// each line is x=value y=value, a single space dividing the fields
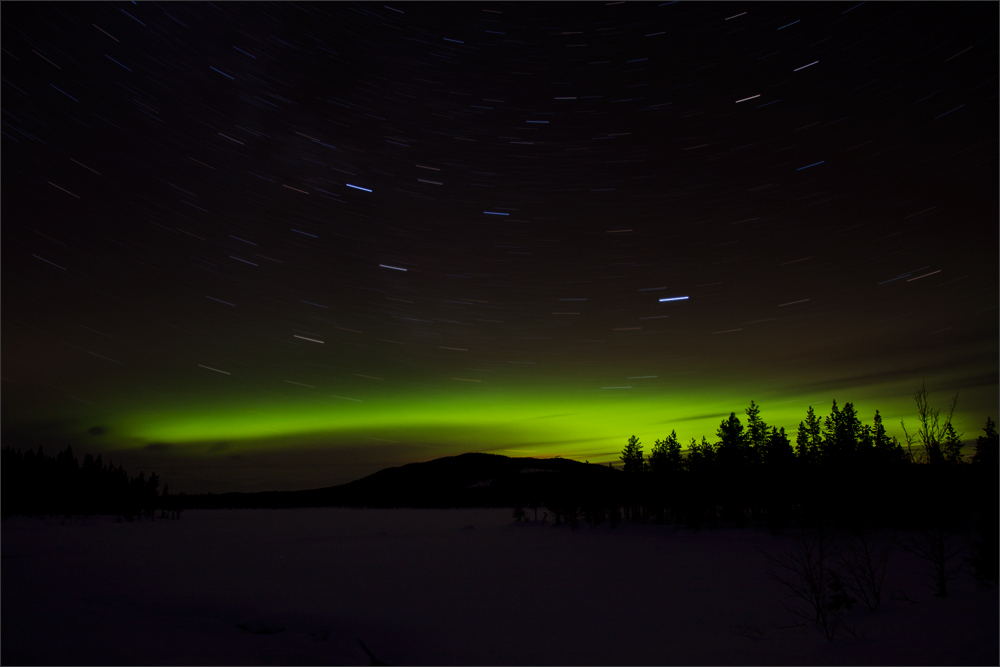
x=750 y=631
x=933 y=433
x=806 y=572
x=863 y=560
x=940 y=546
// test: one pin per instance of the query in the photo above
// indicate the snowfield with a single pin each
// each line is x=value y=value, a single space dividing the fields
x=309 y=586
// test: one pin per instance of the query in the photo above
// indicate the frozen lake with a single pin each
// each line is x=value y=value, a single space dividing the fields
x=421 y=587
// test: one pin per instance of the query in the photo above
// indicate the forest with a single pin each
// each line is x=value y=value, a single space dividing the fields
x=840 y=473
x=37 y=484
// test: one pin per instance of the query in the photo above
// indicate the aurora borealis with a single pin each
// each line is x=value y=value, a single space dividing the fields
x=282 y=246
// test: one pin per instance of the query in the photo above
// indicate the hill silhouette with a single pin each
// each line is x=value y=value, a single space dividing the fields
x=466 y=480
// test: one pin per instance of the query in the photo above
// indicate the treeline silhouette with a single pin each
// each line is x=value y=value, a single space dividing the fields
x=839 y=472
x=37 y=484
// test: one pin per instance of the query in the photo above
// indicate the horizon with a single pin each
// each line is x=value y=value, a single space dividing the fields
x=255 y=248
x=617 y=462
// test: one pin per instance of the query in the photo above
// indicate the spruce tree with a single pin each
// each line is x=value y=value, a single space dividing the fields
x=841 y=432
x=694 y=457
x=756 y=433
x=732 y=442
x=885 y=449
x=665 y=456
x=632 y=455
x=985 y=559
x=674 y=459
x=951 y=445
x=778 y=451
x=809 y=438
x=987 y=447
x=658 y=457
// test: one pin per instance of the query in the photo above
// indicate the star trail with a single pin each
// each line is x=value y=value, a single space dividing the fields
x=282 y=245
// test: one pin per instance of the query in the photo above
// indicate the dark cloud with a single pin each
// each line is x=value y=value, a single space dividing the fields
x=717 y=415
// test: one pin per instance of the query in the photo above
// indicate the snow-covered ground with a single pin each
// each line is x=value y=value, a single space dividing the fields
x=440 y=587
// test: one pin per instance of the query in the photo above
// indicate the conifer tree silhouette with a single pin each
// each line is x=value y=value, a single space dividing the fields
x=665 y=457
x=951 y=445
x=988 y=447
x=756 y=434
x=985 y=557
x=841 y=430
x=632 y=456
x=778 y=451
x=809 y=438
x=730 y=450
x=884 y=450
x=731 y=458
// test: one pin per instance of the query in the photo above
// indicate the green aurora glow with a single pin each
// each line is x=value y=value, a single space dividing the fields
x=193 y=428
x=577 y=424
x=293 y=423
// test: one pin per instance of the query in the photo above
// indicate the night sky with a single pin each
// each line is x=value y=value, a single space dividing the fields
x=279 y=246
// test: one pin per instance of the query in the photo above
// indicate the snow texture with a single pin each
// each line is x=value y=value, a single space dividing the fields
x=310 y=586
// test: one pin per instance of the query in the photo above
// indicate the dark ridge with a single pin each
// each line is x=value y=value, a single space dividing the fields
x=466 y=480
